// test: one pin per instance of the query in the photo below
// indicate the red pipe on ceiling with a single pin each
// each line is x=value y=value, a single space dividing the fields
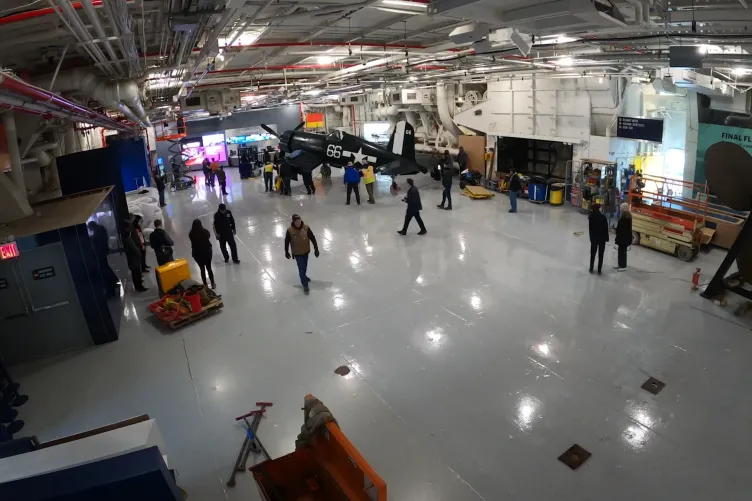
x=30 y=93
x=32 y=14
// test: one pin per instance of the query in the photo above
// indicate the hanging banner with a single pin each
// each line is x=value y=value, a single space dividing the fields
x=314 y=120
x=708 y=135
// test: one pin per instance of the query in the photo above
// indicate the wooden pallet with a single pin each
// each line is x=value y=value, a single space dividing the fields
x=477 y=192
x=207 y=310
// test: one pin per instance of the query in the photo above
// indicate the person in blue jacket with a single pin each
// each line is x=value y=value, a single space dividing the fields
x=352 y=180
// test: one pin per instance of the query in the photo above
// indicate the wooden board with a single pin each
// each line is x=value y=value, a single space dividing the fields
x=207 y=310
x=475 y=147
x=477 y=192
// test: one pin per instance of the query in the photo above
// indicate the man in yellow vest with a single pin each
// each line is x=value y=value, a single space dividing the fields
x=368 y=178
x=268 y=175
x=299 y=238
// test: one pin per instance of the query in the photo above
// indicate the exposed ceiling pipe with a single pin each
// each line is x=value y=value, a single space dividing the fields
x=245 y=26
x=91 y=13
x=33 y=14
x=443 y=98
x=351 y=9
x=117 y=96
x=19 y=94
x=73 y=22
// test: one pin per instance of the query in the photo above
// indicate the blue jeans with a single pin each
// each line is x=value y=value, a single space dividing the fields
x=302 y=262
x=513 y=200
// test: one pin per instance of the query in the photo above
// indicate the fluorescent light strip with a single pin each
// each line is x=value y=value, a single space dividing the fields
x=404 y=3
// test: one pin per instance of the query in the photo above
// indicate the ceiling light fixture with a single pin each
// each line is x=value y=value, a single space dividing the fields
x=565 y=61
x=740 y=71
x=325 y=59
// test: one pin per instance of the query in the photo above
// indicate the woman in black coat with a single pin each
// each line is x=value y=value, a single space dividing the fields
x=201 y=249
x=623 y=236
x=598 y=226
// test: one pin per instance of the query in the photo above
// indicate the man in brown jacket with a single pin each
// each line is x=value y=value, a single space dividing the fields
x=300 y=237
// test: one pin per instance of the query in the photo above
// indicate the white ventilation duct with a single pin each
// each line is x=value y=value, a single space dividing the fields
x=116 y=96
x=445 y=97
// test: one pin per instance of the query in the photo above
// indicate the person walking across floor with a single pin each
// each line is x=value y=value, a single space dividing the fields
x=447 y=160
x=201 y=250
x=308 y=182
x=514 y=189
x=133 y=256
x=352 y=180
x=462 y=159
x=413 y=209
x=299 y=238
x=446 y=182
x=268 y=177
x=623 y=236
x=598 y=226
x=159 y=181
x=224 y=230
x=161 y=242
x=369 y=179
x=101 y=242
x=285 y=172
x=138 y=237
x=222 y=179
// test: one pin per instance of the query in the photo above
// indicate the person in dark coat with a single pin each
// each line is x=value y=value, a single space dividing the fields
x=138 y=237
x=462 y=159
x=308 y=182
x=446 y=182
x=514 y=189
x=352 y=180
x=623 y=236
x=162 y=244
x=299 y=237
x=159 y=180
x=285 y=172
x=598 y=225
x=222 y=178
x=413 y=209
x=447 y=160
x=101 y=242
x=133 y=254
x=224 y=230
x=207 y=170
x=201 y=250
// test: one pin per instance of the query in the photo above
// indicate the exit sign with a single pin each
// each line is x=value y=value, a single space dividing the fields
x=9 y=250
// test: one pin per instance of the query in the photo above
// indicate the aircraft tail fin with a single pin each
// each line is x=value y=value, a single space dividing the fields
x=402 y=141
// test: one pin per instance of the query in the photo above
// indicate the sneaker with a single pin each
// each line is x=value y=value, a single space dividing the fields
x=213 y=285
x=227 y=260
x=599 y=272
x=142 y=289
x=372 y=201
x=590 y=271
x=306 y=289
x=402 y=232
x=448 y=208
x=621 y=269
x=347 y=203
x=440 y=206
x=422 y=232
x=512 y=211
x=236 y=261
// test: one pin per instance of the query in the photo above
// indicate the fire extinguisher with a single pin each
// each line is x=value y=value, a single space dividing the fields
x=696 y=279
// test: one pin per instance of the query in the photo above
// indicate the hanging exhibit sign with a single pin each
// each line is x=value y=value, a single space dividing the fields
x=643 y=129
x=314 y=120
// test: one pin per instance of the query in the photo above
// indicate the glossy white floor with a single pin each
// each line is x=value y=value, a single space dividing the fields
x=480 y=353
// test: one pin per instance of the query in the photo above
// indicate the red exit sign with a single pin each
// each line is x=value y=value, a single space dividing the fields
x=9 y=250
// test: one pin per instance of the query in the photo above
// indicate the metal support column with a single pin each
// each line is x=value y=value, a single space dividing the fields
x=16 y=171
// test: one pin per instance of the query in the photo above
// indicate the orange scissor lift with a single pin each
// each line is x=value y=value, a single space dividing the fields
x=328 y=468
x=666 y=221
